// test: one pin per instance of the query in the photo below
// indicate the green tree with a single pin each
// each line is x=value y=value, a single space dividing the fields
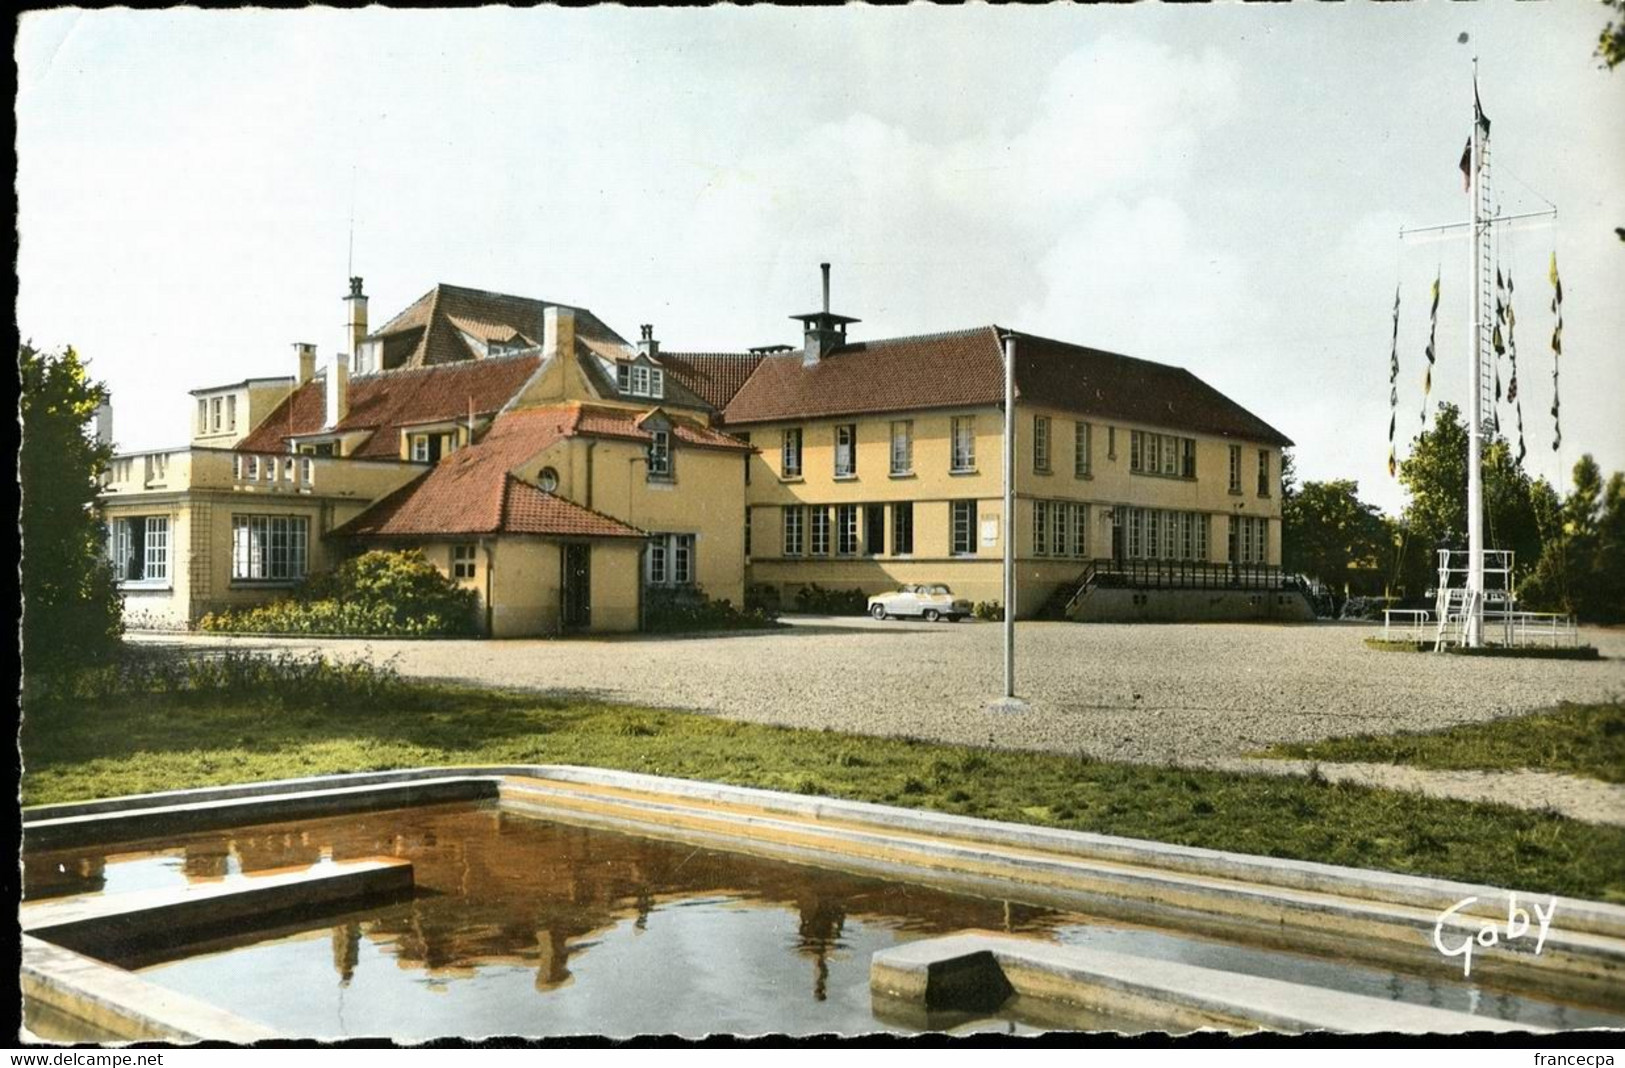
x=1328 y=532
x=1611 y=42
x=1435 y=476
x=1582 y=569
x=71 y=608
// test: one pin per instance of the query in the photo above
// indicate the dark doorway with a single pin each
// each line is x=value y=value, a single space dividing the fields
x=874 y=529
x=576 y=589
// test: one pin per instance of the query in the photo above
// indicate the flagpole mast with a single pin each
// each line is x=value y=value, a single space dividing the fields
x=1474 y=629
x=1009 y=516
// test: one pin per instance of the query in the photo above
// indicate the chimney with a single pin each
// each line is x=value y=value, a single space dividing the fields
x=822 y=330
x=357 y=301
x=338 y=390
x=104 y=423
x=558 y=331
x=647 y=343
x=307 y=361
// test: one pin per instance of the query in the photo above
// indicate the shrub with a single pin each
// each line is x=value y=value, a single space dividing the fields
x=817 y=600
x=672 y=611
x=379 y=593
x=286 y=679
x=991 y=610
x=761 y=596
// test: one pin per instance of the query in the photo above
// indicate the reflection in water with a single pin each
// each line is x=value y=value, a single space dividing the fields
x=520 y=926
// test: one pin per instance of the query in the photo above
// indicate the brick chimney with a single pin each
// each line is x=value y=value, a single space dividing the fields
x=337 y=402
x=646 y=342
x=822 y=331
x=558 y=331
x=307 y=361
x=357 y=303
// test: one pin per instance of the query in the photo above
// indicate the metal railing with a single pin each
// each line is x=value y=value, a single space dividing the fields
x=1406 y=624
x=1174 y=575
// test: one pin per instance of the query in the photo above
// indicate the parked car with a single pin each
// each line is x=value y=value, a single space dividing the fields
x=931 y=601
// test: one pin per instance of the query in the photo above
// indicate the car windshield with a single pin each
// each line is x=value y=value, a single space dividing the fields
x=940 y=590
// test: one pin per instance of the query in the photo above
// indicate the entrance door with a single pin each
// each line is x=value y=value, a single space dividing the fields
x=576 y=588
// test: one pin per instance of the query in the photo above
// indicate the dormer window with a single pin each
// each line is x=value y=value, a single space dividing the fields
x=639 y=378
x=660 y=455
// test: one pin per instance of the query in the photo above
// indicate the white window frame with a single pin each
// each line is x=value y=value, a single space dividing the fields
x=660 y=458
x=1040 y=528
x=846 y=530
x=794 y=531
x=1080 y=449
x=962 y=528
x=464 y=561
x=902 y=447
x=790 y=453
x=1041 y=442
x=269 y=548
x=1060 y=528
x=818 y=531
x=962 y=436
x=671 y=560
x=640 y=380
x=846 y=450
x=1263 y=472
x=1235 y=469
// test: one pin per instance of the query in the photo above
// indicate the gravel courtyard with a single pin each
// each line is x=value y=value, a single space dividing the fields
x=1182 y=693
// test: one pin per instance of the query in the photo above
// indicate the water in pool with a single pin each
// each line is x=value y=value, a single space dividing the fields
x=520 y=926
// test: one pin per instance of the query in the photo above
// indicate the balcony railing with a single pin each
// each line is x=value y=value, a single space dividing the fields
x=178 y=470
x=273 y=471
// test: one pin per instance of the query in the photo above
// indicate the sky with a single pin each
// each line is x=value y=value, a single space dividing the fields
x=1219 y=187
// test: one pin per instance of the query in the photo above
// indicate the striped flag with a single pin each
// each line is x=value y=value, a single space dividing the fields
x=1557 y=350
x=1512 y=357
x=1393 y=388
x=1427 y=374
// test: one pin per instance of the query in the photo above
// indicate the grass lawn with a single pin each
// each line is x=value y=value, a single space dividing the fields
x=1586 y=740
x=132 y=741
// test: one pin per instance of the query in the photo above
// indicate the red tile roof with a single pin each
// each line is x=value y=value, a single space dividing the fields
x=966 y=369
x=714 y=377
x=430 y=331
x=472 y=491
x=595 y=421
x=386 y=401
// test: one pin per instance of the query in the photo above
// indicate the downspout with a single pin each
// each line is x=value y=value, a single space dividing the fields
x=490 y=570
x=591 y=445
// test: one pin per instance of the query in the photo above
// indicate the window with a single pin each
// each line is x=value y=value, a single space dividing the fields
x=1041 y=443
x=548 y=479
x=420 y=447
x=139 y=548
x=792 y=530
x=962 y=528
x=1060 y=523
x=1111 y=443
x=964 y=443
x=1235 y=469
x=202 y=416
x=1080 y=530
x=819 y=517
x=1040 y=528
x=790 y=466
x=462 y=561
x=1158 y=534
x=902 y=528
x=1080 y=450
x=1249 y=539
x=214 y=414
x=902 y=447
x=640 y=380
x=1263 y=472
x=660 y=455
x=846 y=530
x=846 y=450
x=1161 y=454
x=874 y=529
x=670 y=560
x=231 y=412
x=270 y=548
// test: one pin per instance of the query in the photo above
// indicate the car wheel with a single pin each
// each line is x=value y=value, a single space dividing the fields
x=932 y=615
x=878 y=611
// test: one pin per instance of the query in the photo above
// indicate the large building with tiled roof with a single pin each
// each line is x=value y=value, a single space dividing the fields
x=534 y=454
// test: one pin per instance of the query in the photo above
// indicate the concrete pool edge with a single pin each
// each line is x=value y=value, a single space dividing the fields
x=938 y=972
x=294 y=798
x=991 y=859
